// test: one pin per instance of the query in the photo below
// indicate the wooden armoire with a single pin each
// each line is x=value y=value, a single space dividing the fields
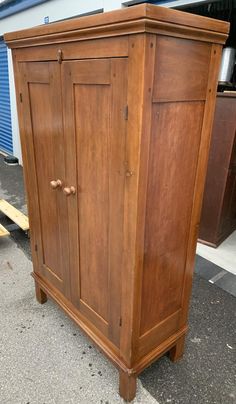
x=115 y=115
x=218 y=217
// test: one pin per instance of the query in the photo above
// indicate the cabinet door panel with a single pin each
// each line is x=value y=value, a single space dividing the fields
x=93 y=178
x=44 y=132
x=95 y=92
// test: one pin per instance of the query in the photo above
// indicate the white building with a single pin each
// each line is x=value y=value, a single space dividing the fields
x=20 y=14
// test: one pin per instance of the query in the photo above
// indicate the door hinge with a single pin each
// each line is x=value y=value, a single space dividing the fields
x=21 y=98
x=36 y=247
x=120 y=323
x=126 y=112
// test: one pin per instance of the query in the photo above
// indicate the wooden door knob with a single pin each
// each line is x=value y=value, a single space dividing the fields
x=69 y=190
x=56 y=184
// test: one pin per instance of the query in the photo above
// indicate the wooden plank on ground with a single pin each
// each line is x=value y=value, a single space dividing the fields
x=14 y=214
x=3 y=231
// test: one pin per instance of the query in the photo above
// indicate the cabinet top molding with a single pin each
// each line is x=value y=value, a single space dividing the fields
x=137 y=19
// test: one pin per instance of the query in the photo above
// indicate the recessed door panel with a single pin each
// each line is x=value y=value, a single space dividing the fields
x=44 y=131
x=92 y=129
x=95 y=93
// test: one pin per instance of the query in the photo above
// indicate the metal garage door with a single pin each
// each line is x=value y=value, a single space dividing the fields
x=5 y=111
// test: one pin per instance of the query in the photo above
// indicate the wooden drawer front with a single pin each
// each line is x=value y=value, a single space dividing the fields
x=181 y=70
x=98 y=48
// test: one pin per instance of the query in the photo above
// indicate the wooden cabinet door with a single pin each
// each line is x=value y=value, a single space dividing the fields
x=94 y=98
x=43 y=152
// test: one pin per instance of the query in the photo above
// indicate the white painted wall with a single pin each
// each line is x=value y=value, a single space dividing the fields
x=55 y=10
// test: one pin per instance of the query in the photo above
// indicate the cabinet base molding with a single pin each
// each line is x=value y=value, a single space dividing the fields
x=172 y=344
x=159 y=351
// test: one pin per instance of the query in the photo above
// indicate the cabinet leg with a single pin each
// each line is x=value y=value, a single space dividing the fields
x=40 y=294
x=177 y=351
x=127 y=386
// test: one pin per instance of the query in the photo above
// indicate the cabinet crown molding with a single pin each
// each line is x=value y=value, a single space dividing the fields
x=136 y=19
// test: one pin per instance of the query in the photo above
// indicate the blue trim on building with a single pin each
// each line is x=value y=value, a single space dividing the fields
x=16 y=6
x=5 y=107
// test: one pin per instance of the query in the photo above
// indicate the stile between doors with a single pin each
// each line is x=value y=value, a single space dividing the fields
x=88 y=156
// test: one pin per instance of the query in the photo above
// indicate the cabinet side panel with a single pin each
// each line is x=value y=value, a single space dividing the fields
x=181 y=69
x=177 y=122
x=174 y=145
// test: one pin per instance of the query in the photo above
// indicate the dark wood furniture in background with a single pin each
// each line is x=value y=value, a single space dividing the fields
x=115 y=116
x=218 y=218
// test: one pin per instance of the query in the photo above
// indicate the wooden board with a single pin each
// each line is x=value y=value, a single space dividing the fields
x=14 y=214
x=3 y=231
